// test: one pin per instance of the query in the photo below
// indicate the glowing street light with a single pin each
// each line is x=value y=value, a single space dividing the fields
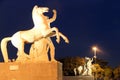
x=95 y=51
x=94 y=48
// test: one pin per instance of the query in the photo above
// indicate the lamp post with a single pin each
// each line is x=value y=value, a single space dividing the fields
x=95 y=52
x=94 y=48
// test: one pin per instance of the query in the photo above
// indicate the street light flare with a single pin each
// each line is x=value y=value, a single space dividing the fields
x=94 y=48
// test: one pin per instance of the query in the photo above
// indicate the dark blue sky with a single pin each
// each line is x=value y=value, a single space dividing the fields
x=85 y=22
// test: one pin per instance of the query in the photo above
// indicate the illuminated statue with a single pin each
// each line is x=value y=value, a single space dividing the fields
x=39 y=50
x=86 y=69
x=40 y=30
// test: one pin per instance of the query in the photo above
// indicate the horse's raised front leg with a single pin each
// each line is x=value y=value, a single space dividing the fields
x=61 y=35
x=49 y=31
x=64 y=37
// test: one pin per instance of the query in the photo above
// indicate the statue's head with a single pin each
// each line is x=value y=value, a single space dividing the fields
x=40 y=10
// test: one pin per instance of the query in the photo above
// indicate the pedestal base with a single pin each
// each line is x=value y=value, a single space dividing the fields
x=31 y=71
x=78 y=78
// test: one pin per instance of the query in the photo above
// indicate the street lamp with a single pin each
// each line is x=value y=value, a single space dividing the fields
x=94 y=48
x=95 y=51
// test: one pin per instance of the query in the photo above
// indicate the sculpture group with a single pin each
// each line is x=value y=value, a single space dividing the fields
x=86 y=69
x=39 y=36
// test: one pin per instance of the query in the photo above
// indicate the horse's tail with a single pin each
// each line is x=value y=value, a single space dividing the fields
x=4 y=48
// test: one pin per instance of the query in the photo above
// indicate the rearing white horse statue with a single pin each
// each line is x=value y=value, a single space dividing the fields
x=40 y=49
x=40 y=30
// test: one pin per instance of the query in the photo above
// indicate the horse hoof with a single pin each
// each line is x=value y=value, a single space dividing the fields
x=58 y=41
x=67 y=41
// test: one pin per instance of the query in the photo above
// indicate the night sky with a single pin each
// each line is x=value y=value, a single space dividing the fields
x=85 y=22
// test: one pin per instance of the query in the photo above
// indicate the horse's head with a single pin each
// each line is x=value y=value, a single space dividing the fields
x=40 y=10
x=43 y=10
x=38 y=15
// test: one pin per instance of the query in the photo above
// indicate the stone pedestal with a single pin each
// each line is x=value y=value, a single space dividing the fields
x=31 y=71
x=78 y=78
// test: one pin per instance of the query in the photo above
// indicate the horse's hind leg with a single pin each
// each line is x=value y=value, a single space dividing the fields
x=21 y=54
x=22 y=57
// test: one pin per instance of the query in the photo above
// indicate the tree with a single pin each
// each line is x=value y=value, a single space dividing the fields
x=101 y=62
x=69 y=63
x=107 y=72
x=97 y=71
x=116 y=72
